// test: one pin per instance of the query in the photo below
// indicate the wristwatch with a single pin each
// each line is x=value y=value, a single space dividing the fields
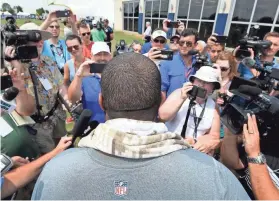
x=260 y=159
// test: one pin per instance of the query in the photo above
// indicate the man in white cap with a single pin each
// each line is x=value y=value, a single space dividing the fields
x=97 y=33
x=158 y=40
x=86 y=86
x=42 y=84
x=203 y=126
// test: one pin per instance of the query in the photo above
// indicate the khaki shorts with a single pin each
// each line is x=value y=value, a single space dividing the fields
x=48 y=131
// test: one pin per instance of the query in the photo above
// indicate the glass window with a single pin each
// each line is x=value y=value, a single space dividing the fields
x=205 y=30
x=277 y=20
x=192 y=24
x=136 y=24
x=277 y=30
x=265 y=11
x=126 y=8
x=154 y=24
x=262 y=31
x=209 y=9
x=243 y=10
x=195 y=9
x=126 y=24
x=131 y=9
x=136 y=6
x=164 y=8
x=155 y=8
x=148 y=8
x=161 y=24
x=183 y=9
x=131 y=26
x=237 y=31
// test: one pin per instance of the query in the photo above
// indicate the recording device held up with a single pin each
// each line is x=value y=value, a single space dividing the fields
x=97 y=67
x=62 y=13
x=173 y=24
x=201 y=60
x=248 y=98
x=10 y=36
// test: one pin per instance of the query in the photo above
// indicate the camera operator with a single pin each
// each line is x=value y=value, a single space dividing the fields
x=26 y=173
x=86 y=86
x=131 y=156
x=267 y=55
x=176 y=72
x=43 y=81
x=259 y=175
x=158 y=40
x=56 y=48
x=203 y=126
x=97 y=33
x=214 y=48
x=109 y=33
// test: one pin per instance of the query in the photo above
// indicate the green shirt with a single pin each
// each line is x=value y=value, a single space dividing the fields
x=98 y=35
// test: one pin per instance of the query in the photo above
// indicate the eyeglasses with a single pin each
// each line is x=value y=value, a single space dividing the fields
x=161 y=41
x=87 y=33
x=173 y=42
x=70 y=49
x=188 y=43
x=57 y=27
x=224 y=69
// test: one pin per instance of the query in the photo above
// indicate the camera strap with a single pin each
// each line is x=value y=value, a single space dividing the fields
x=191 y=104
x=197 y=120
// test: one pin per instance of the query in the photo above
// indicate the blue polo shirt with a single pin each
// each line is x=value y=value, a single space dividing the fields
x=173 y=73
x=246 y=73
x=91 y=88
x=147 y=46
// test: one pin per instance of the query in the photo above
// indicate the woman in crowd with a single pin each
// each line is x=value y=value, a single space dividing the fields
x=203 y=126
x=74 y=46
x=228 y=69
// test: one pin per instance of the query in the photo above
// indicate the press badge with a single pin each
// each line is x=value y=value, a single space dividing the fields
x=46 y=84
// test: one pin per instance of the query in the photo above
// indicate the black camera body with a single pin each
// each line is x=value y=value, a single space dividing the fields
x=201 y=60
x=249 y=98
x=10 y=36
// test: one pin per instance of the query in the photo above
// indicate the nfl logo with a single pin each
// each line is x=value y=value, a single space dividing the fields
x=120 y=188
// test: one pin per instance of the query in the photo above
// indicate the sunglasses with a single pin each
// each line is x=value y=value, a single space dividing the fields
x=70 y=49
x=88 y=33
x=173 y=42
x=188 y=43
x=57 y=27
x=161 y=41
x=224 y=69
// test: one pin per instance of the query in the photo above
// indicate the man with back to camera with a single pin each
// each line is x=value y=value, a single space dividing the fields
x=176 y=72
x=131 y=156
x=267 y=55
x=109 y=32
x=86 y=86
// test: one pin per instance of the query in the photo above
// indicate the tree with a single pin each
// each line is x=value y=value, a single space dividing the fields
x=6 y=7
x=12 y=11
x=47 y=12
x=18 y=9
x=40 y=11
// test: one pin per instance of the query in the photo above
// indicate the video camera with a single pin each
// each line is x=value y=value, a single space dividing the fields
x=253 y=42
x=248 y=98
x=10 y=36
x=121 y=47
x=201 y=60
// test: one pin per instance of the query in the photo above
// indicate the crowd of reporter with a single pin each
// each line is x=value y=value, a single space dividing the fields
x=140 y=95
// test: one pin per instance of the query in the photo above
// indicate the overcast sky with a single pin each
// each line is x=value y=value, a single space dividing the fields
x=83 y=8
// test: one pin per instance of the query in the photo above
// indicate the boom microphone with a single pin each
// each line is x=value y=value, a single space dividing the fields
x=249 y=90
x=81 y=125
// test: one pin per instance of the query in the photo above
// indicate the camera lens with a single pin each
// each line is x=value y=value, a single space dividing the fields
x=236 y=121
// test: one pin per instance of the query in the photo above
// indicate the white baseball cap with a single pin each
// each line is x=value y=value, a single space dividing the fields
x=159 y=33
x=94 y=22
x=207 y=74
x=32 y=26
x=98 y=47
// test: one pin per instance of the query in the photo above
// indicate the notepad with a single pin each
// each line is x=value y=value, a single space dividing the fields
x=5 y=128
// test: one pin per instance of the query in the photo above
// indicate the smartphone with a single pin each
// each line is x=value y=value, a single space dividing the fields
x=63 y=13
x=166 y=54
x=197 y=92
x=6 y=82
x=97 y=67
x=221 y=39
x=6 y=163
x=27 y=52
x=172 y=24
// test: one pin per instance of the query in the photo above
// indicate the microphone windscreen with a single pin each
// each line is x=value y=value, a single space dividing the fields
x=10 y=93
x=81 y=124
x=249 y=90
x=247 y=61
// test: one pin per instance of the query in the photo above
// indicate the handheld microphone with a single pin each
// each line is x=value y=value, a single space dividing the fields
x=7 y=99
x=249 y=90
x=193 y=52
x=81 y=125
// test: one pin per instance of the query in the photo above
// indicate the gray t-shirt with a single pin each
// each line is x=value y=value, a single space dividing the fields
x=87 y=174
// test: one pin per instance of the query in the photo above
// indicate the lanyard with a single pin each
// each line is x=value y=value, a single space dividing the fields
x=188 y=73
x=197 y=120
x=57 y=50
